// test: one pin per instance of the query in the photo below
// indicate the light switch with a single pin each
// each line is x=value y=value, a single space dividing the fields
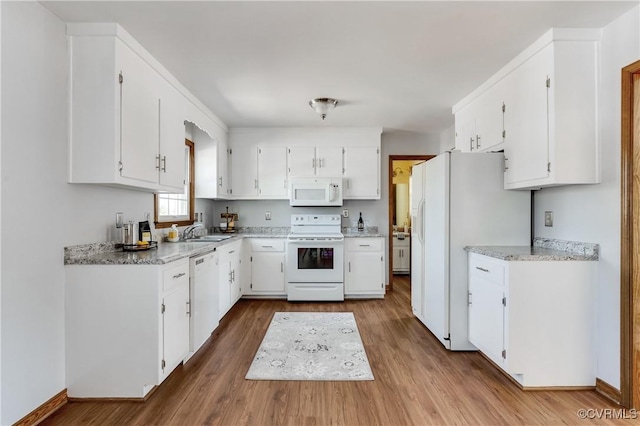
x=345 y=212
x=267 y=215
x=548 y=218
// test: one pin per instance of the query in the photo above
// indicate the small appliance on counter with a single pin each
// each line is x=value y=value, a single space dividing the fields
x=229 y=226
x=132 y=235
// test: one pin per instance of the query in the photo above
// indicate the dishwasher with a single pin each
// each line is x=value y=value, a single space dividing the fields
x=203 y=293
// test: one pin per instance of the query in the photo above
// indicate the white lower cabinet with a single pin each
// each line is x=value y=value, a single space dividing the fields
x=229 y=275
x=401 y=254
x=535 y=319
x=364 y=267
x=267 y=259
x=127 y=327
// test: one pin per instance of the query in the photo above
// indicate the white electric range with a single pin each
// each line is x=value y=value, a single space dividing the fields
x=315 y=258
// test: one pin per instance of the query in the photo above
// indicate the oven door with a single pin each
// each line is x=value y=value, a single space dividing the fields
x=315 y=260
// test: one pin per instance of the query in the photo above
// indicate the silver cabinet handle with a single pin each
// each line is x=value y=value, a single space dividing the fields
x=232 y=251
x=469 y=302
x=188 y=308
x=233 y=275
x=230 y=279
x=285 y=184
x=267 y=246
x=365 y=245
x=181 y=274
x=478 y=141
x=471 y=144
x=255 y=183
x=220 y=181
x=481 y=269
x=313 y=162
x=164 y=164
x=281 y=267
x=349 y=266
x=158 y=161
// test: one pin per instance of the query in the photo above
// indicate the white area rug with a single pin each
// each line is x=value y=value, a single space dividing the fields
x=311 y=346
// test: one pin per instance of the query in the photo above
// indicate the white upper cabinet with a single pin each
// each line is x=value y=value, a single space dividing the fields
x=211 y=157
x=263 y=160
x=244 y=170
x=362 y=172
x=126 y=113
x=272 y=172
x=310 y=161
x=548 y=128
x=172 y=137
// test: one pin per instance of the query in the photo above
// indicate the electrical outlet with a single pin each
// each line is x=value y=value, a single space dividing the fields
x=345 y=212
x=548 y=218
x=267 y=215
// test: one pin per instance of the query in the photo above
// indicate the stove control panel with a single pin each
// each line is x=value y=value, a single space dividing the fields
x=315 y=219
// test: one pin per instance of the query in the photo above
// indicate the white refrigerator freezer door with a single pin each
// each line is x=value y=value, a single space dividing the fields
x=436 y=247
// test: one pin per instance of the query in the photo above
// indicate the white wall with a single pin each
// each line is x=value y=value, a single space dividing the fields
x=41 y=213
x=448 y=139
x=374 y=212
x=591 y=213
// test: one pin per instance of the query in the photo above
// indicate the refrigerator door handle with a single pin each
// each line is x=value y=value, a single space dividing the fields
x=421 y=222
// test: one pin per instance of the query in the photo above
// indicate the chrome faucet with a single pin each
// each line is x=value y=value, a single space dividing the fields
x=188 y=231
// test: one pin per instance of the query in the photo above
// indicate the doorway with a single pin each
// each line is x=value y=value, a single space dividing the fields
x=630 y=239
x=400 y=213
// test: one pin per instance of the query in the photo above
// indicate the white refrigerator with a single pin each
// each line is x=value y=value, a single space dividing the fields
x=459 y=201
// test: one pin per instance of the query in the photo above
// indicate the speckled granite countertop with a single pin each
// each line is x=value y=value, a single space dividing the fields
x=371 y=232
x=107 y=254
x=543 y=249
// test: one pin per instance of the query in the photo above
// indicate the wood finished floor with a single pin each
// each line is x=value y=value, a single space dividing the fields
x=417 y=382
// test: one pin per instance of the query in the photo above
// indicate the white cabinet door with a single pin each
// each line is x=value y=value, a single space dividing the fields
x=329 y=161
x=210 y=166
x=362 y=172
x=172 y=137
x=224 y=284
x=223 y=167
x=489 y=119
x=364 y=267
x=139 y=117
x=175 y=326
x=244 y=171
x=272 y=172
x=486 y=317
x=267 y=272
x=301 y=161
x=526 y=121
x=236 y=278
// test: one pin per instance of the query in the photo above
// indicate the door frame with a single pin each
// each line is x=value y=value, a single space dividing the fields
x=630 y=238
x=392 y=203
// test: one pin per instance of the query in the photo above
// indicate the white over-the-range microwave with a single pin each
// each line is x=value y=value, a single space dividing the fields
x=315 y=191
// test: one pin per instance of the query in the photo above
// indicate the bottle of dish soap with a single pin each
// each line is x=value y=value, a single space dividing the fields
x=360 y=223
x=173 y=235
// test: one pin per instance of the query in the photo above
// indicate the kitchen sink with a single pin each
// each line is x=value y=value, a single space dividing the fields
x=209 y=239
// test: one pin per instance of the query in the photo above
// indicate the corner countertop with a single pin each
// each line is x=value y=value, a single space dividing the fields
x=542 y=250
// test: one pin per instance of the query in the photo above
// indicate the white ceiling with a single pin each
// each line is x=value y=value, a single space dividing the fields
x=397 y=65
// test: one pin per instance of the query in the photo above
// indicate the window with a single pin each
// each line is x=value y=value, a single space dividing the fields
x=177 y=208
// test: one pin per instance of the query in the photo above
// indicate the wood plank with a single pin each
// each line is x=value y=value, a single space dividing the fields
x=416 y=380
x=44 y=410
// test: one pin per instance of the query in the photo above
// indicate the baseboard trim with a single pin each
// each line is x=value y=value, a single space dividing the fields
x=537 y=388
x=44 y=410
x=114 y=399
x=608 y=391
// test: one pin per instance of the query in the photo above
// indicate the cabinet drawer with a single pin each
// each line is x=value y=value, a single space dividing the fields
x=365 y=244
x=175 y=275
x=486 y=268
x=264 y=244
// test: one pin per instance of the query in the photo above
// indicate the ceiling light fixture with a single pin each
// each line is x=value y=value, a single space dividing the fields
x=323 y=105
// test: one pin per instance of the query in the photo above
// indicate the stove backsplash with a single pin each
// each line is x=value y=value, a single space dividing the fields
x=252 y=213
